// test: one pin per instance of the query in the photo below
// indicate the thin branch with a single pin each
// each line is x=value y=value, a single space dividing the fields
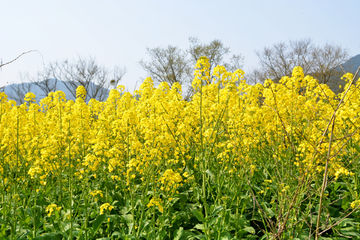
x=338 y=222
x=19 y=57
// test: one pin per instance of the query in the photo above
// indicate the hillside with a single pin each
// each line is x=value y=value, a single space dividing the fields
x=351 y=65
x=13 y=90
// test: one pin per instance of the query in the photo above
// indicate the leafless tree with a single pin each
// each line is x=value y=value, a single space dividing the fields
x=255 y=76
x=215 y=52
x=86 y=72
x=44 y=80
x=326 y=59
x=235 y=62
x=319 y=61
x=18 y=92
x=172 y=64
x=169 y=65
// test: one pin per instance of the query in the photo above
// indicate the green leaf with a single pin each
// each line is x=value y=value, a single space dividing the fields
x=350 y=231
x=80 y=236
x=209 y=173
x=128 y=218
x=250 y=230
x=42 y=203
x=333 y=211
x=345 y=203
x=198 y=215
x=199 y=226
x=116 y=234
x=357 y=148
x=200 y=236
x=336 y=186
x=97 y=223
x=216 y=210
x=179 y=233
x=225 y=236
x=50 y=236
x=269 y=211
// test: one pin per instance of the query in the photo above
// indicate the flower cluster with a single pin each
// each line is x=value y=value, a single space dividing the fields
x=156 y=202
x=104 y=207
x=51 y=208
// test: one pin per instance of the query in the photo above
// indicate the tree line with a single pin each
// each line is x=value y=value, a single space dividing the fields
x=172 y=64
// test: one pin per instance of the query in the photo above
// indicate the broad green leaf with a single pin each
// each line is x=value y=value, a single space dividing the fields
x=42 y=203
x=350 y=231
x=128 y=218
x=199 y=226
x=198 y=215
x=250 y=230
x=216 y=210
x=97 y=223
x=225 y=236
x=179 y=233
x=209 y=173
x=50 y=236
x=200 y=236
x=116 y=234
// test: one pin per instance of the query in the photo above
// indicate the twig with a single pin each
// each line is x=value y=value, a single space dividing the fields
x=267 y=219
x=342 y=68
x=324 y=183
x=332 y=120
x=1 y=65
x=338 y=222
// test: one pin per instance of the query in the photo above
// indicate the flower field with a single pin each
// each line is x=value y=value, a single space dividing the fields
x=238 y=161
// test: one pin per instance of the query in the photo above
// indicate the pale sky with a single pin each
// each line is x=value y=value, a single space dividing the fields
x=118 y=32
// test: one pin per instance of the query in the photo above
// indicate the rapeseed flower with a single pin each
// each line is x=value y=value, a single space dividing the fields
x=51 y=208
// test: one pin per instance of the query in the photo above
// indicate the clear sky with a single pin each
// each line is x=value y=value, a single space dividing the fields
x=118 y=32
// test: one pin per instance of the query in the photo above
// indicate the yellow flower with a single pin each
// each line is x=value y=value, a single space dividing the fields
x=97 y=192
x=81 y=92
x=355 y=204
x=156 y=202
x=51 y=207
x=30 y=97
x=104 y=207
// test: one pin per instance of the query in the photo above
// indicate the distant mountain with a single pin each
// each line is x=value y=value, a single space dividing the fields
x=350 y=65
x=17 y=91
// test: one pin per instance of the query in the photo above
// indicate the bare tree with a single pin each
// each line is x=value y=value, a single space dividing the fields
x=255 y=76
x=172 y=64
x=167 y=65
x=18 y=91
x=86 y=72
x=235 y=63
x=302 y=52
x=319 y=61
x=44 y=80
x=215 y=52
x=276 y=61
x=326 y=59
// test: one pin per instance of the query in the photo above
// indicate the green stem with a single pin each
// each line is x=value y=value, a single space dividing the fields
x=70 y=185
x=324 y=183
